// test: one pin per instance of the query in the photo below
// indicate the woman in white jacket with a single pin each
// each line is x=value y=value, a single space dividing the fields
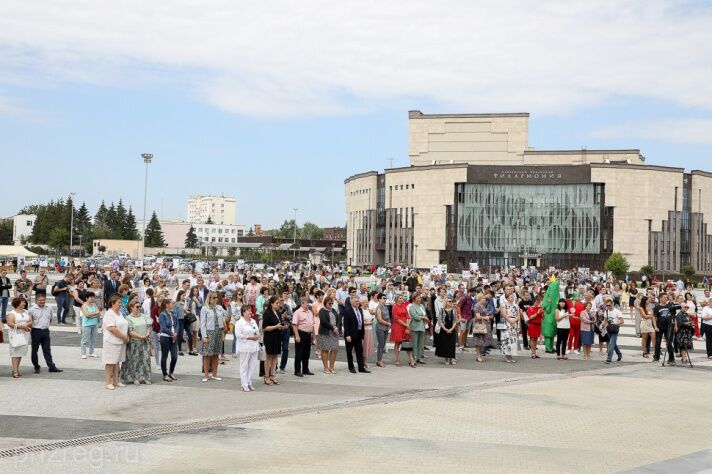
x=247 y=335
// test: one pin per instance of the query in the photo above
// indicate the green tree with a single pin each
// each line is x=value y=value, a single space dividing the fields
x=130 y=232
x=101 y=217
x=112 y=222
x=311 y=231
x=285 y=231
x=121 y=217
x=647 y=270
x=191 y=240
x=231 y=251
x=154 y=234
x=617 y=264
x=55 y=214
x=688 y=270
x=58 y=238
x=250 y=233
x=82 y=223
x=6 y=232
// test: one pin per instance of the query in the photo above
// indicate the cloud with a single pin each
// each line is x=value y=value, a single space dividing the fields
x=285 y=58
x=687 y=131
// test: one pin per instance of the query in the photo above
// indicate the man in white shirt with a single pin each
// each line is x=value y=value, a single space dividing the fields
x=706 y=326
x=41 y=315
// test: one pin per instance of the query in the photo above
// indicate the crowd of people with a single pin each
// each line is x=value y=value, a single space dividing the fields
x=253 y=314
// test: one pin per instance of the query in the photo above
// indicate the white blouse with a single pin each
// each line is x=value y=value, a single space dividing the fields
x=243 y=330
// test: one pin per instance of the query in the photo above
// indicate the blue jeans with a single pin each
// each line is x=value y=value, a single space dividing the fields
x=88 y=338
x=61 y=300
x=286 y=334
x=613 y=346
x=3 y=308
x=184 y=328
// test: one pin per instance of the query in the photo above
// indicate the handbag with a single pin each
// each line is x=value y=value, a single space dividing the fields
x=407 y=345
x=479 y=327
x=17 y=339
x=612 y=328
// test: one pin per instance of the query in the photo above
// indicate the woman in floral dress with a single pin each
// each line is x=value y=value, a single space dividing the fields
x=510 y=316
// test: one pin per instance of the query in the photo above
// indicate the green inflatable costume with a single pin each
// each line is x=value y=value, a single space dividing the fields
x=550 y=303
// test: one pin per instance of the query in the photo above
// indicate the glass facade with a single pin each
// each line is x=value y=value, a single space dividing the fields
x=531 y=219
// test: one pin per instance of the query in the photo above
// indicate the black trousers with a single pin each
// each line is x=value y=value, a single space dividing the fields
x=302 y=351
x=40 y=337
x=525 y=338
x=168 y=345
x=562 y=334
x=355 y=345
x=665 y=330
x=707 y=332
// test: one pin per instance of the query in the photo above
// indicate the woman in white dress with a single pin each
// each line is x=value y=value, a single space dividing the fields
x=116 y=329
x=247 y=335
x=20 y=324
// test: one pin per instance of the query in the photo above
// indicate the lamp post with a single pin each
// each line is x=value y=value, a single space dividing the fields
x=80 y=245
x=295 y=233
x=147 y=157
x=71 y=223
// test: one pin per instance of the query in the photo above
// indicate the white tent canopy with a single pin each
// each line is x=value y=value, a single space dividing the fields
x=15 y=251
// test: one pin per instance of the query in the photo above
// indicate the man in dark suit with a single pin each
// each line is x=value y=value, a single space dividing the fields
x=111 y=287
x=353 y=334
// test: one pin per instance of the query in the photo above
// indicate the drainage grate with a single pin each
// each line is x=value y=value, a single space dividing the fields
x=391 y=397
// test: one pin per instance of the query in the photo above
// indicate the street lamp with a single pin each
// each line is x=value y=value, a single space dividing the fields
x=147 y=157
x=295 y=233
x=80 y=245
x=71 y=224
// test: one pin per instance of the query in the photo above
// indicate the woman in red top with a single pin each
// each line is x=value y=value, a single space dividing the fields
x=399 y=329
x=535 y=314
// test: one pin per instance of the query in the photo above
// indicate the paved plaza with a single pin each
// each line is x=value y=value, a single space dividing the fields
x=536 y=416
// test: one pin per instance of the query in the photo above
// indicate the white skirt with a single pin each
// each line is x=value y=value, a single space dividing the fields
x=113 y=353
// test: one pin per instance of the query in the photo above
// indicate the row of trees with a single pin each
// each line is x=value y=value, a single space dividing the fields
x=113 y=222
x=308 y=231
x=619 y=266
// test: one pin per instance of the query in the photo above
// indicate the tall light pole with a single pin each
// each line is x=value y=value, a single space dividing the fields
x=71 y=223
x=147 y=157
x=295 y=233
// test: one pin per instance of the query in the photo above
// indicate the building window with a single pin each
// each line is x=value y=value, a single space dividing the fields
x=407 y=186
x=213 y=239
x=219 y=239
x=412 y=186
x=233 y=240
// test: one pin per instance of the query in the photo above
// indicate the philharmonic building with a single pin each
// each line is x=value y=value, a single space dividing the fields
x=475 y=191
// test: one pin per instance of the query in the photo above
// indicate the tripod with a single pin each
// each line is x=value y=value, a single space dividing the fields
x=668 y=341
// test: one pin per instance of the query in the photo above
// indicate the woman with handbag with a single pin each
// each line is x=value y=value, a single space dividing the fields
x=247 y=335
x=611 y=325
x=400 y=333
x=137 y=367
x=20 y=323
x=481 y=328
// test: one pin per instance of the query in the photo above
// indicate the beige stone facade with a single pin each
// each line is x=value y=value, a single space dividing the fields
x=653 y=215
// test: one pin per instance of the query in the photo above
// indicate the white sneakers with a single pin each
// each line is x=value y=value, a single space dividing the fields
x=84 y=356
